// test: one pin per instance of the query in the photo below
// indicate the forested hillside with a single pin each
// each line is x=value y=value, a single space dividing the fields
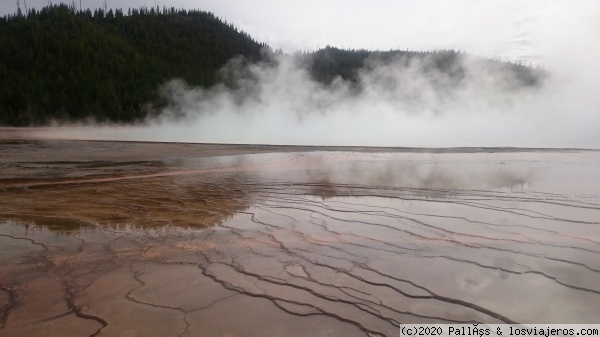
x=71 y=65
x=330 y=62
x=62 y=64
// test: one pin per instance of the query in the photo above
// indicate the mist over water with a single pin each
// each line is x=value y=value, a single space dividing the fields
x=404 y=102
x=399 y=102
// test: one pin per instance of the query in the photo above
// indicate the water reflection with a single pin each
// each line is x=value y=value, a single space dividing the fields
x=345 y=243
x=201 y=191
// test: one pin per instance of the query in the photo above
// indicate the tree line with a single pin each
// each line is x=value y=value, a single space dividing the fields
x=63 y=64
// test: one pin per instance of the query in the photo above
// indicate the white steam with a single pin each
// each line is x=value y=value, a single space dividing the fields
x=402 y=102
x=405 y=102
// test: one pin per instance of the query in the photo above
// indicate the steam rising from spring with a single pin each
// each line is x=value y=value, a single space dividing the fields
x=405 y=101
x=400 y=101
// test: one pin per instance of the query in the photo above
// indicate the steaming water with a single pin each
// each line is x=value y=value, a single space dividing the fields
x=402 y=102
x=255 y=241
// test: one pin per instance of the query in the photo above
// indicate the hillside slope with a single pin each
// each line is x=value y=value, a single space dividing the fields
x=66 y=65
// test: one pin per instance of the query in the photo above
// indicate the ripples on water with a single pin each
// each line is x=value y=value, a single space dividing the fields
x=292 y=243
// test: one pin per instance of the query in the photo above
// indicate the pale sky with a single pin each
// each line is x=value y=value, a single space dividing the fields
x=537 y=31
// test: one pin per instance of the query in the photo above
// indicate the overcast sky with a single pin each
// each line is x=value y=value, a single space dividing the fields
x=537 y=31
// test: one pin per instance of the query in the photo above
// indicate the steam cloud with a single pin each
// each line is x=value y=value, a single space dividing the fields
x=403 y=102
x=400 y=102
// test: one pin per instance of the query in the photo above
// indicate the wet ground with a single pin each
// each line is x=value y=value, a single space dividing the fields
x=151 y=239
